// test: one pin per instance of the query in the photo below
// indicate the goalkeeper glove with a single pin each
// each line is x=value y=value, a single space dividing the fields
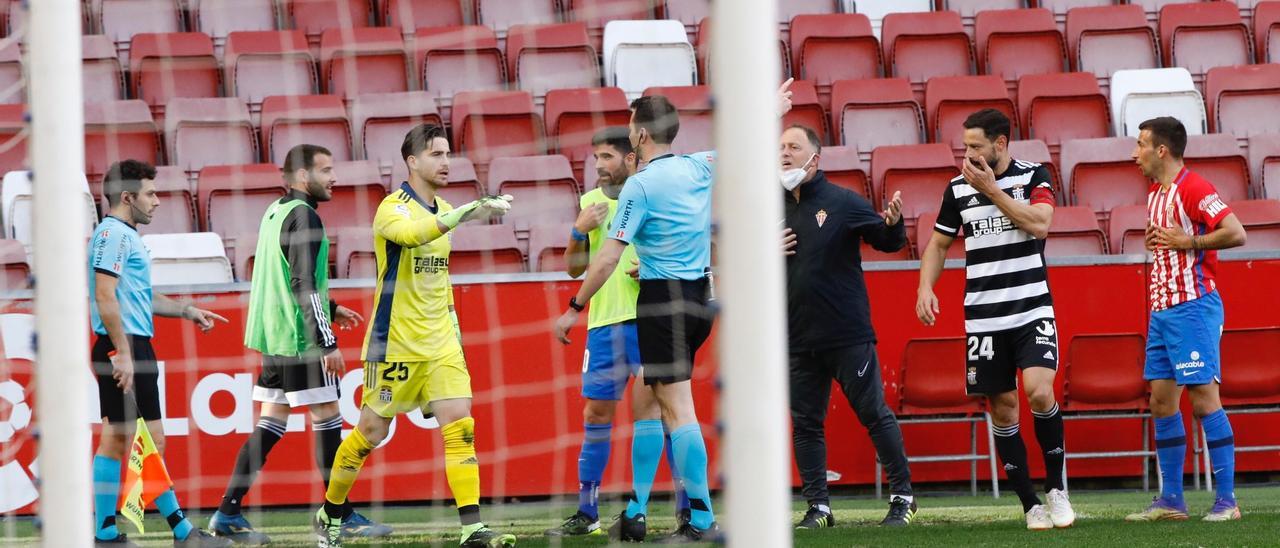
x=485 y=208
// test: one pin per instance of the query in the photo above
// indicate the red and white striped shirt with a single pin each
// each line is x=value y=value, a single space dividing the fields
x=1192 y=204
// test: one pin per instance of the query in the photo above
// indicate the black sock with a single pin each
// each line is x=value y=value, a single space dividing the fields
x=328 y=438
x=1013 y=453
x=253 y=454
x=1049 y=434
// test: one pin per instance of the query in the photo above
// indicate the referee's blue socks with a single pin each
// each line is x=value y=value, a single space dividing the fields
x=691 y=452
x=591 y=462
x=168 y=505
x=1171 y=450
x=106 y=490
x=682 y=498
x=646 y=451
x=1222 y=453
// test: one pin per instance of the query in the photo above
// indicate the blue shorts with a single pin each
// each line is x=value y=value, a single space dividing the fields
x=1183 y=341
x=612 y=356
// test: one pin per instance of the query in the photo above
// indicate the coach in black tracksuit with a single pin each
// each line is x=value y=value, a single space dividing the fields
x=830 y=322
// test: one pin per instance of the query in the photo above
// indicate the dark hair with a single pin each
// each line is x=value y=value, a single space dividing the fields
x=809 y=134
x=658 y=116
x=302 y=157
x=615 y=136
x=991 y=121
x=419 y=139
x=1167 y=131
x=125 y=176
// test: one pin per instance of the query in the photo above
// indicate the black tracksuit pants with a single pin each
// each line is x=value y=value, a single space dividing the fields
x=857 y=370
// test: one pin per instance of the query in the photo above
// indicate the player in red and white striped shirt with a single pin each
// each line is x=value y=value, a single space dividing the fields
x=1187 y=222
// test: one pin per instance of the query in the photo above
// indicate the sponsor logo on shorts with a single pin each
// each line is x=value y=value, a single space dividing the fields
x=1049 y=355
x=1187 y=367
x=1045 y=332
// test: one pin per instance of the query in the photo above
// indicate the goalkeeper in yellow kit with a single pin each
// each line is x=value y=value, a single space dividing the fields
x=413 y=349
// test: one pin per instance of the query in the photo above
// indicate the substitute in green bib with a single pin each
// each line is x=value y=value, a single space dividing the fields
x=291 y=323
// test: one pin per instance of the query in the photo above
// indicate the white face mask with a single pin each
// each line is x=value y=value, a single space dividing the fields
x=791 y=178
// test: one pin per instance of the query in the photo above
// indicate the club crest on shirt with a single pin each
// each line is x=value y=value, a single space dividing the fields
x=1018 y=193
x=821 y=217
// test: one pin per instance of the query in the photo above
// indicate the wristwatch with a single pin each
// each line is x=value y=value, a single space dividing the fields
x=573 y=303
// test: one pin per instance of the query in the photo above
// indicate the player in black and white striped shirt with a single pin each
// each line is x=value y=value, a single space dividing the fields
x=1004 y=207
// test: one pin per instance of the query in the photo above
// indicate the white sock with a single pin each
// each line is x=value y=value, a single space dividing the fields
x=907 y=498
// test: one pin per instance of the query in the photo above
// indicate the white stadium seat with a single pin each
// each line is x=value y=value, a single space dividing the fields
x=1139 y=95
x=18 y=206
x=188 y=258
x=644 y=54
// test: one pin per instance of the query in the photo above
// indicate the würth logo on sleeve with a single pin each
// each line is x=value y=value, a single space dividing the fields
x=821 y=216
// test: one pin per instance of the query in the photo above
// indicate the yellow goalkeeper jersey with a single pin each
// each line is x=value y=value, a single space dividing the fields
x=411 y=321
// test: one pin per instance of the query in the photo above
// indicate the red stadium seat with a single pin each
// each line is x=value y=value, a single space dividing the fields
x=494 y=124
x=1014 y=43
x=499 y=15
x=932 y=388
x=356 y=196
x=103 y=76
x=951 y=99
x=485 y=249
x=574 y=116
x=920 y=172
x=555 y=56
x=1103 y=380
x=450 y=60
x=296 y=119
x=410 y=15
x=595 y=13
x=13 y=126
x=220 y=18
x=866 y=114
x=17 y=269
x=118 y=130
x=807 y=109
x=121 y=20
x=924 y=232
x=354 y=258
x=1243 y=100
x=1266 y=31
x=178 y=200
x=844 y=168
x=380 y=121
x=11 y=78
x=1261 y=220
x=1061 y=7
x=234 y=197
x=1075 y=231
x=1204 y=35
x=13 y=16
x=826 y=48
x=1220 y=160
x=1128 y=226
x=363 y=60
x=969 y=9
x=313 y=17
x=543 y=185
x=546 y=247
x=180 y=64
x=689 y=12
x=1103 y=40
x=1100 y=173
x=464 y=186
x=203 y=132
x=1247 y=358
x=1034 y=150
x=920 y=46
x=259 y=64
x=694 y=105
x=1264 y=157
x=1061 y=107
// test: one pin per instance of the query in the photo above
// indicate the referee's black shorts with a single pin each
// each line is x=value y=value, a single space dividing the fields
x=113 y=404
x=673 y=319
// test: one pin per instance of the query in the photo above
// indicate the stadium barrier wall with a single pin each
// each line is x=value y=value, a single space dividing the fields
x=527 y=404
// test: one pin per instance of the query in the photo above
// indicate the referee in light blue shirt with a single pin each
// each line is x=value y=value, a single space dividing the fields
x=665 y=211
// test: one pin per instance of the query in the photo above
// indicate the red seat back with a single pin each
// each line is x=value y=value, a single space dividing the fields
x=355 y=258
x=1201 y=36
x=380 y=121
x=485 y=249
x=933 y=378
x=1128 y=229
x=450 y=60
x=103 y=75
x=573 y=117
x=1060 y=107
x=546 y=247
x=409 y=15
x=179 y=64
x=258 y=64
x=1218 y=158
x=13 y=127
x=1102 y=40
x=1243 y=100
x=920 y=172
x=949 y=100
x=844 y=168
x=494 y=124
x=831 y=47
x=1261 y=220
x=866 y=114
x=13 y=259
x=117 y=130
x=363 y=60
x=121 y=20
x=312 y=119
x=1249 y=373
x=234 y=197
x=544 y=57
x=1101 y=174
x=209 y=131
x=1104 y=372
x=1017 y=42
x=1266 y=31
x=313 y=17
x=543 y=185
x=1073 y=232
x=356 y=196
x=920 y=46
